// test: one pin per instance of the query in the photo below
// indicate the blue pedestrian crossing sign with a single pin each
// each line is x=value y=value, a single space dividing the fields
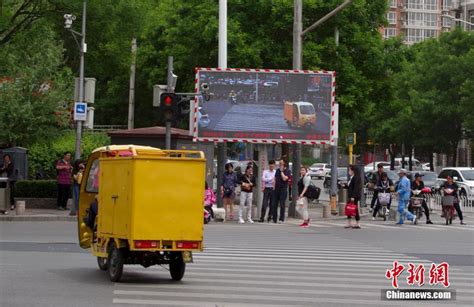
x=80 y=111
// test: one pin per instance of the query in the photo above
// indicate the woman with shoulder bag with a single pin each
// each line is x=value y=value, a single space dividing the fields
x=229 y=182
x=302 y=202
x=247 y=182
x=354 y=189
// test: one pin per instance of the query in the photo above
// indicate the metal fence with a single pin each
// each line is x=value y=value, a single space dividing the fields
x=433 y=200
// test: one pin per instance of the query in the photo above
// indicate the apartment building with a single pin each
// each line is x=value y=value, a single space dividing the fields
x=417 y=20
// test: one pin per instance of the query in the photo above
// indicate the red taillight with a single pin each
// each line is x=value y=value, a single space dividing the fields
x=146 y=244
x=187 y=244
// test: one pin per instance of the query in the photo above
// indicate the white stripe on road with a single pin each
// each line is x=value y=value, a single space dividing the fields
x=323 y=248
x=294 y=265
x=335 y=258
x=244 y=277
x=320 y=271
x=306 y=254
x=283 y=299
x=183 y=303
x=218 y=287
x=332 y=250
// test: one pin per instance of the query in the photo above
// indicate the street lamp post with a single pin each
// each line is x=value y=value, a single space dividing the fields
x=82 y=49
x=298 y=35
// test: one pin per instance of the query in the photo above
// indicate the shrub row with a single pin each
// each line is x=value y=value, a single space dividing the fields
x=36 y=189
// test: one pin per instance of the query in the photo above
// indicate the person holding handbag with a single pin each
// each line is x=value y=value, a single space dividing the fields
x=247 y=183
x=302 y=202
x=354 y=193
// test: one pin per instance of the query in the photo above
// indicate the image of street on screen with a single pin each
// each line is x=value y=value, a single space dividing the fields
x=274 y=106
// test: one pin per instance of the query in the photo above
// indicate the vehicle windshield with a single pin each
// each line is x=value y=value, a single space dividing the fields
x=393 y=176
x=429 y=177
x=317 y=166
x=342 y=172
x=306 y=109
x=468 y=174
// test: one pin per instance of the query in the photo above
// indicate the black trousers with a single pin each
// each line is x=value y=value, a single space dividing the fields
x=12 y=193
x=63 y=195
x=458 y=210
x=267 y=203
x=279 y=198
x=425 y=208
x=374 y=199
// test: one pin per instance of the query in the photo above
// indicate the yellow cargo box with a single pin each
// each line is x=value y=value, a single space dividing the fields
x=148 y=201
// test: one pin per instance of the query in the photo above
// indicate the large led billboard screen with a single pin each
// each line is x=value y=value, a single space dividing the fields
x=265 y=106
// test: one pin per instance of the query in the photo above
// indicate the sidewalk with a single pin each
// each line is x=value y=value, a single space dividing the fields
x=38 y=215
x=45 y=215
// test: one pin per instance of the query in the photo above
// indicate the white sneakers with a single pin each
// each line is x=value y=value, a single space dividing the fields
x=241 y=221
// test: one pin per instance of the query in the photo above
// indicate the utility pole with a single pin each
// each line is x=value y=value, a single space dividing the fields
x=131 y=97
x=221 y=147
x=77 y=154
x=298 y=35
x=334 y=174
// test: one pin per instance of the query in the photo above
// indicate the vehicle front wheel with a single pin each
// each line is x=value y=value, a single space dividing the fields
x=102 y=263
x=177 y=267
x=115 y=263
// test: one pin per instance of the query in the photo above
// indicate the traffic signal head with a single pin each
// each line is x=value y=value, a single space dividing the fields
x=169 y=105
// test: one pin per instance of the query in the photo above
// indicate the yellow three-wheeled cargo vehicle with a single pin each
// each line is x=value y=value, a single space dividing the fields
x=142 y=205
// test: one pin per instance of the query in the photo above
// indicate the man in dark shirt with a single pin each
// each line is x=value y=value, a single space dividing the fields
x=418 y=184
x=280 y=191
x=374 y=180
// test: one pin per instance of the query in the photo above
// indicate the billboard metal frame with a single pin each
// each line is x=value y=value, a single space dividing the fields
x=334 y=111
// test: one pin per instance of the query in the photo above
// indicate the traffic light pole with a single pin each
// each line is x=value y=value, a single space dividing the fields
x=170 y=89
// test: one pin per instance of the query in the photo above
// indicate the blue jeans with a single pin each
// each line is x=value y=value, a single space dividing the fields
x=75 y=192
x=402 y=209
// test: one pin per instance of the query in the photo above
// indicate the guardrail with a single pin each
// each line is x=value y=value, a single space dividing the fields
x=433 y=200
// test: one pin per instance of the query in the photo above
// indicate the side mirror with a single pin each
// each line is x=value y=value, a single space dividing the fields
x=455 y=178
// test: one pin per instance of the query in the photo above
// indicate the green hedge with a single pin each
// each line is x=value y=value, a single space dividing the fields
x=42 y=155
x=36 y=189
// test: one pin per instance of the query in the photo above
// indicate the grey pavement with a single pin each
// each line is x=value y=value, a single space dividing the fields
x=45 y=215
x=257 y=264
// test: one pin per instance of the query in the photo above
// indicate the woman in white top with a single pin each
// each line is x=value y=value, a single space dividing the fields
x=303 y=184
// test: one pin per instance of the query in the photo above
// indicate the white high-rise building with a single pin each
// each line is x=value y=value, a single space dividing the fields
x=417 y=20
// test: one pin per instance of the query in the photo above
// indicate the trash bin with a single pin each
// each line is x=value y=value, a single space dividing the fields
x=4 y=195
x=342 y=199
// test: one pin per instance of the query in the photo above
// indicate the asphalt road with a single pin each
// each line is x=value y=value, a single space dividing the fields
x=242 y=265
x=255 y=118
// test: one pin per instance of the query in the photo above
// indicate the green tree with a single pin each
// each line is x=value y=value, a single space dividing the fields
x=35 y=87
x=433 y=101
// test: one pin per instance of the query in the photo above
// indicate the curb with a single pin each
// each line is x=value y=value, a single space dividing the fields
x=38 y=218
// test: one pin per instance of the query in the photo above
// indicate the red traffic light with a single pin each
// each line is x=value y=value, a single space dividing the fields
x=168 y=101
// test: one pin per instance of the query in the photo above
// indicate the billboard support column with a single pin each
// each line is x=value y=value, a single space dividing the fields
x=262 y=165
x=297 y=64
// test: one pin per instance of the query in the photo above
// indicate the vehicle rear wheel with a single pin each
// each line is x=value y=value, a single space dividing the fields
x=177 y=267
x=115 y=263
x=102 y=263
